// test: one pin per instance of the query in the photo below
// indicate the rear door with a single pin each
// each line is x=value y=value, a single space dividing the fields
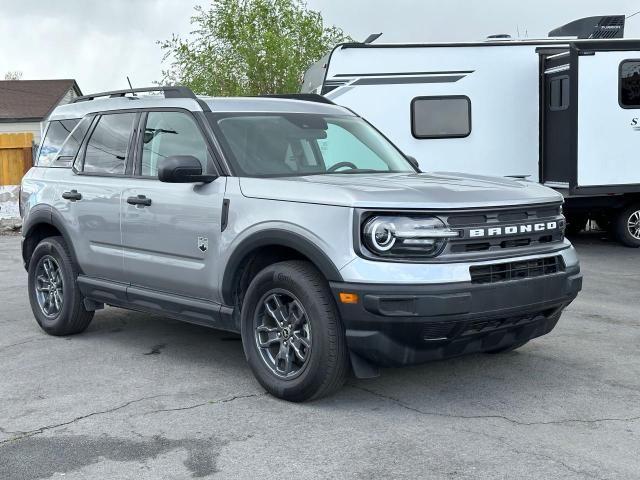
x=91 y=195
x=171 y=242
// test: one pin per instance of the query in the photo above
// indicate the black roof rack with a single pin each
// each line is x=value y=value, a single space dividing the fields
x=169 y=92
x=307 y=97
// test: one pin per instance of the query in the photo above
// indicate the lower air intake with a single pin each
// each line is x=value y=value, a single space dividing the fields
x=505 y=272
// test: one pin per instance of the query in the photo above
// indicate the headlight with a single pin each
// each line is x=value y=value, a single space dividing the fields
x=405 y=237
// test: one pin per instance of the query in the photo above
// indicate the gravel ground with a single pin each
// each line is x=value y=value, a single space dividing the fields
x=144 y=397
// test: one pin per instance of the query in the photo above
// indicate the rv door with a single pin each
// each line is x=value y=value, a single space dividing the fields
x=558 y=119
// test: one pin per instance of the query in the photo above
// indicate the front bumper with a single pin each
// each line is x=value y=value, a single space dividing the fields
x=393 y=325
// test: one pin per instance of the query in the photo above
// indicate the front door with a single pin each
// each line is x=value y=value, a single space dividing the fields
x=171 y=237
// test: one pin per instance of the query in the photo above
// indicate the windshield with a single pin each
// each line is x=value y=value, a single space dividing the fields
x=295 y=144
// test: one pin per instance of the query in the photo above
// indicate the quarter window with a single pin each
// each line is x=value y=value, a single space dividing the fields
x=108 y=145
x=167 y=134
x=441 y=117
x=55 y=136
x=630 y=84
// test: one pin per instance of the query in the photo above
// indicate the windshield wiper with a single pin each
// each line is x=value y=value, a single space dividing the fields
x=359 y=170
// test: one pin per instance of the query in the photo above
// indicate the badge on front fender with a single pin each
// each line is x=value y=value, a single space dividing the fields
x=203 y=244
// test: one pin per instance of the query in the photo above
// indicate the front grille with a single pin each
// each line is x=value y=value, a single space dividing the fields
x=505 y=272
x=490 y=219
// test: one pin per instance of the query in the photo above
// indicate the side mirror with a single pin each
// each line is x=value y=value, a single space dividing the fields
x=182 y=169
x=414 y=163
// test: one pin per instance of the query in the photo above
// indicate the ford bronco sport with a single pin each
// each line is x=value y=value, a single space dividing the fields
x=293 y=222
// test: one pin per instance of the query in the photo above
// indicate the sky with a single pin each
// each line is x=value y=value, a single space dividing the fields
x=99 y=43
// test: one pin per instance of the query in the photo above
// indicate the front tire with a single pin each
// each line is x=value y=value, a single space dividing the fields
x=292 y=333
x=56 y=301
x=627 y=226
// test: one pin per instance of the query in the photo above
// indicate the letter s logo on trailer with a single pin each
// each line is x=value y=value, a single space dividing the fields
x=635 y=123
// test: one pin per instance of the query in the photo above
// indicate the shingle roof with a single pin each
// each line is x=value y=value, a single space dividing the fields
x=24 y=100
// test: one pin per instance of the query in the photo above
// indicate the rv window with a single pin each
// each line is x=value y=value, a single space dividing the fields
x=559 y=93
x=630 y=84
x=441 y=117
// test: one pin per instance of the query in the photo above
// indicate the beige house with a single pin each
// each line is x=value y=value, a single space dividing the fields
x=24 y=104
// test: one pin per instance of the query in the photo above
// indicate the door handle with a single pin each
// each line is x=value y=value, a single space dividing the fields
x=140 y=200
x=73 y=195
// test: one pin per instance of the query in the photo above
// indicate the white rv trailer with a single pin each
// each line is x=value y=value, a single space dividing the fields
x=561 y=111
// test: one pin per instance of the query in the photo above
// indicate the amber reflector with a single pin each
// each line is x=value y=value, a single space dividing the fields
x=348 y=297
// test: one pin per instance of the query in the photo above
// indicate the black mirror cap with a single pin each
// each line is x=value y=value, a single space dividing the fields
x=414 y=163
x=182 y=169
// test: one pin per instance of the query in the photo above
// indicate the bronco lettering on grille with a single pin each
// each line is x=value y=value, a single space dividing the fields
x=512 y=229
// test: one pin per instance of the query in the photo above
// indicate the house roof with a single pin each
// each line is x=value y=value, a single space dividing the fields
x=32 y=100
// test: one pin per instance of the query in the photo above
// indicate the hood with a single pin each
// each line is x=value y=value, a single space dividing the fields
x=400 y=190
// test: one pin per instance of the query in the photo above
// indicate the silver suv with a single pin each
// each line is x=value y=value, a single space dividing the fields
x=293 y=222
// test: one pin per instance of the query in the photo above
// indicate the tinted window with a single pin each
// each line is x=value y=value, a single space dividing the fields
x=107 y=148
x=292 y=144
x=559 y=93
x=167 y=134
x=441 y=117
x=55 y=136
x=630 y=84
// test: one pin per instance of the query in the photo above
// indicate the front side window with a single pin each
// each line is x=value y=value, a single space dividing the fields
x=441 y=117
x=55 y=136
x=107 y=148
x=167 y=134
x=296 y=144
x=630 y=84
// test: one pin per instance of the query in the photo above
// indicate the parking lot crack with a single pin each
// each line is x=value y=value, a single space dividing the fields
x=43 y=429
x=402 y=404
x=532 y=453
x=202 y=404
x=23 y=342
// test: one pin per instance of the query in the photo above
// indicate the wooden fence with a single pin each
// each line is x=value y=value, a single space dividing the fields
x=15 y=157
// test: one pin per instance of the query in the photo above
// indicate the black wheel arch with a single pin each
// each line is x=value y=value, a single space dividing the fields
x=41 y=222
x=275 y=239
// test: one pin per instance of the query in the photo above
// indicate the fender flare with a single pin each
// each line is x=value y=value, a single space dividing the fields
x=45 y=215
x=276 y=238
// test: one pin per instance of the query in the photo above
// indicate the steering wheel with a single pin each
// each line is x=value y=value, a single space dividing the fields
x=338 y=165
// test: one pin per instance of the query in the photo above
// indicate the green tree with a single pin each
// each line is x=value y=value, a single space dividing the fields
x=248 y=47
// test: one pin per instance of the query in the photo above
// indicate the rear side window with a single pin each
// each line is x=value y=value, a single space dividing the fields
x=56 y=134
x=107 y=148
x=441 y=117
x=630 y=84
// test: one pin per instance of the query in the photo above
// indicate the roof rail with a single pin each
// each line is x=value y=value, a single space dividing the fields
x=307 y=97
x=169 y=92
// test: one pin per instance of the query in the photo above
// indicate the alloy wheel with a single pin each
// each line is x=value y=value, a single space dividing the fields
x=283 y=333
x=49 y=286
x=633 y=224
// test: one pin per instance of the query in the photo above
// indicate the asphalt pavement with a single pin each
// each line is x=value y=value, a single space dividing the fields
x=144 y=397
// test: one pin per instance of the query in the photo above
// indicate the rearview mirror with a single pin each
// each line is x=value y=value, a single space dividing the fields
x=182 y=169
x=414 y=163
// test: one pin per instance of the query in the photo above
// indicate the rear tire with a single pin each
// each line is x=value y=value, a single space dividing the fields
x=292 y=334
x=627 y=226
x=56 y=301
